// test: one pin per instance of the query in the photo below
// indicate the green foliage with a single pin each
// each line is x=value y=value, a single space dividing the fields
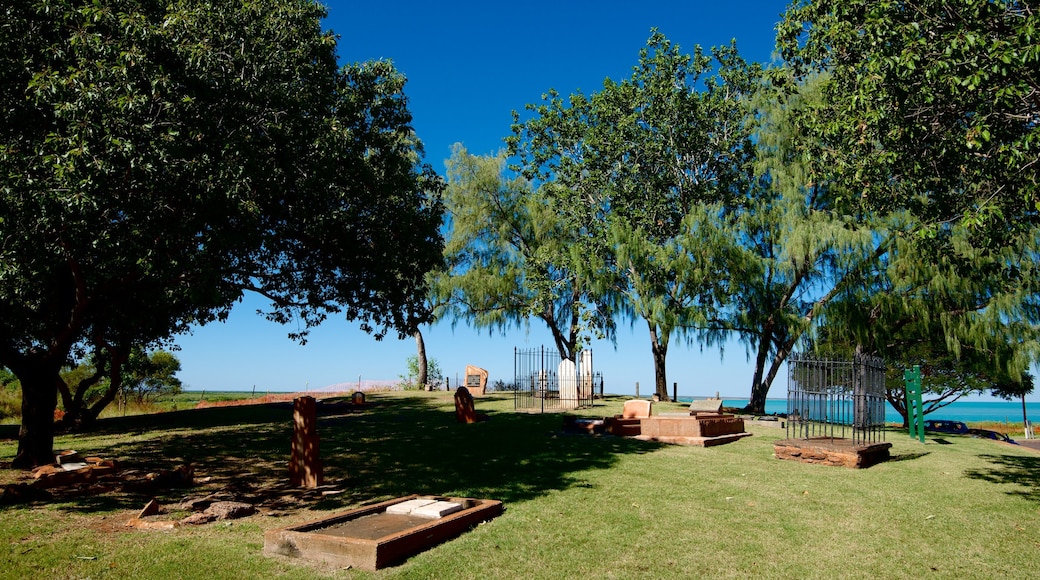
x=644 y=171
x=151 y=375
x=793 y=253
x=160 y=159
x=411 y=382
x=7 y=379
x=511 y=257
x=925 y=125
x=500 y=385
x=144 y=377
x=931 y=105
x=1013 y=389
x=10 y=399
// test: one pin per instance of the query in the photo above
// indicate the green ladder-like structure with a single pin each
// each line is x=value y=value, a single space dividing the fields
x=914 y=405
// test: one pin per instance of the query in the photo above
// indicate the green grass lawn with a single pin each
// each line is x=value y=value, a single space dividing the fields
x=576 y=505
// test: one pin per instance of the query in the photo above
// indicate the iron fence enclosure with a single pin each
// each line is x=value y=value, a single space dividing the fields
x=544 y=381
x=829 y=398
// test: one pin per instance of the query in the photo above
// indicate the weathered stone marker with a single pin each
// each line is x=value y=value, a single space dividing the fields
x=305 y=463
x=476 y=380
x=465 y=412
x=702 y=406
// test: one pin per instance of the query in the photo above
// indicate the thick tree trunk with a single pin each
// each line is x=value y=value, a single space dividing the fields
x=39 y=400
x=420 y=346
x=659 y=348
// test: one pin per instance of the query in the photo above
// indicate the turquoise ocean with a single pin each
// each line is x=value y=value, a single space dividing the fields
x=967 y=411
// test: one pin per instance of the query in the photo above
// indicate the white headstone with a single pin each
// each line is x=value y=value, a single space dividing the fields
x=568 y=385
x=586 y=374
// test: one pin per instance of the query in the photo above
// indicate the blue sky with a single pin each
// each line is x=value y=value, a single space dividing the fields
x=469 y=65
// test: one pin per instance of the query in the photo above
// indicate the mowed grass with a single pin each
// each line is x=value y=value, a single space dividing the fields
x=576 y=505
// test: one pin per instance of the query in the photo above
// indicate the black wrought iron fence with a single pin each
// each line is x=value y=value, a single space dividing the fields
x=546 y=382
x=836 y=398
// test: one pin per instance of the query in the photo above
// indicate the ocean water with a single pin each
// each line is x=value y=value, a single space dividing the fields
x=967 y=411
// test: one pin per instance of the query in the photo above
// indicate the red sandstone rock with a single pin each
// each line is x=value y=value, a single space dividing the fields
x=53 y=476
x=464 y=409
x=138 y=523
x=636 y=409
x=832 y=451
x=220 y=510
x=151 y=509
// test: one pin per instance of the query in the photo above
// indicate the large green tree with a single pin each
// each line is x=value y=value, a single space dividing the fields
x=90 y=386
x=967 y=317
x=645 y=169
x=158 y=159
x=932 y=105
x=510 y=256
x=929 y=118
x=793 y=253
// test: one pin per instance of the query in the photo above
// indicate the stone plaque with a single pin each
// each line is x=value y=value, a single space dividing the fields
x=476 y=380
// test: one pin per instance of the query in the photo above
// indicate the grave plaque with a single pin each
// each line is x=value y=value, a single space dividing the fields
x=476 y=380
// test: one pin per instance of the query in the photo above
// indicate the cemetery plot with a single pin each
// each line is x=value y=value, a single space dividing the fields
x=383 y=534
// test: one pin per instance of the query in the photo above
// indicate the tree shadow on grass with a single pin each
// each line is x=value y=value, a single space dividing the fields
x=8 y=432
x=909 y=456
x=1012 y=469
x=394 y=447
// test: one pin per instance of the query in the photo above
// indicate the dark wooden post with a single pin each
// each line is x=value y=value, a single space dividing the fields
x=305 y=463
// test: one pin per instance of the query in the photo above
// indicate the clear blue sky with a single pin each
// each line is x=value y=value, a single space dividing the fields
x=469 y=65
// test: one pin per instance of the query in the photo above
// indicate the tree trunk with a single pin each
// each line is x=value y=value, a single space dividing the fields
x=759 y=386
x=39 y=400
x=73 y=403
x=90 y=413
x=420 y=346
x=659 y=347
x=898 y=401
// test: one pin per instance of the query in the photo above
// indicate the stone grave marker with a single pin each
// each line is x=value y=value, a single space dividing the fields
x=706 y=406
x=568 y=385
x=585 y=386
x=465 y=412
x=476 y=380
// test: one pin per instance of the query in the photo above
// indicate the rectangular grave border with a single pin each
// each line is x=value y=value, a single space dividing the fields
x=307 y=540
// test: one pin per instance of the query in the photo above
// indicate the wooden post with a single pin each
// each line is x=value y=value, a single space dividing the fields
x=305 y=463
x=675 y=392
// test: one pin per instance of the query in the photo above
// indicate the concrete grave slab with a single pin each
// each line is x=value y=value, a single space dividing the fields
x=407 y=506
x=437 y=509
